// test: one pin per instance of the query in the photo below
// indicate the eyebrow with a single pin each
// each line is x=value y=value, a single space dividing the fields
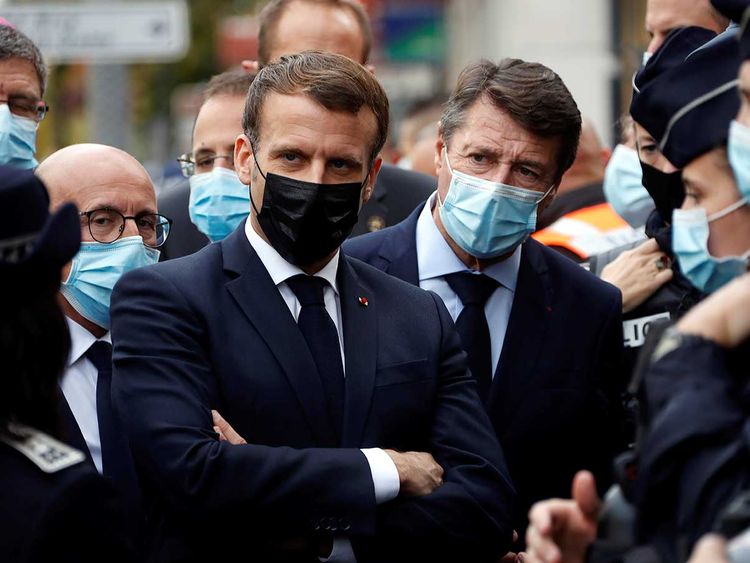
x=295 y=149
x=98 y=205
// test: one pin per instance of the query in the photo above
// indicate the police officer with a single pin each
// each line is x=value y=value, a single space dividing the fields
x=654 y=291
x=55 y=506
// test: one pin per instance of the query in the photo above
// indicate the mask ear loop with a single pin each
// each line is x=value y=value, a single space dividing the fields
x=727 y=210
x=252 y=201
x=450 y=169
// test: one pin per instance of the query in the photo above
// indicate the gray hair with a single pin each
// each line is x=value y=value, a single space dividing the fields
x=16 y=45
x=532 y=94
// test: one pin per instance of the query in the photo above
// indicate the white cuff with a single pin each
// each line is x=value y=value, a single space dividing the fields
x=342 y=552
x=384 y=475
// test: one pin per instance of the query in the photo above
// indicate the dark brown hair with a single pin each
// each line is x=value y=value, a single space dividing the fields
x=272 y=12
x=335 y=82
x=229 y=83
x=532 y=94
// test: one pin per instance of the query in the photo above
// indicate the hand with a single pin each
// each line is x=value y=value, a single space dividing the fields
x=638 y=273
x=560 y=530
x=418 y=472
x=511 y=556
x=723 y=317
x=711 y=549
x=225 y=431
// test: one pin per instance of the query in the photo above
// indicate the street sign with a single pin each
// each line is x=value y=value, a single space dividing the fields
x=110 y=32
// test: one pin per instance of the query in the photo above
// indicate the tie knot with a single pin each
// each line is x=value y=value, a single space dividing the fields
x=100 y=354
x=472 y=289
x=308 y=289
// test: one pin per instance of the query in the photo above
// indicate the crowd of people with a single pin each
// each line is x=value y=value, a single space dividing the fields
x=537 y=352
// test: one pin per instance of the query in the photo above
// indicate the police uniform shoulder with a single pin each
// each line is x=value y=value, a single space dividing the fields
x=44 y=451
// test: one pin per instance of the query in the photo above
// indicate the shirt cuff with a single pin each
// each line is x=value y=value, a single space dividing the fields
x=384 y=475
x=342 y=551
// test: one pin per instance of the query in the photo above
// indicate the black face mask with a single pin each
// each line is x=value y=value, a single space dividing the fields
x=304 y=221
x=665 y=189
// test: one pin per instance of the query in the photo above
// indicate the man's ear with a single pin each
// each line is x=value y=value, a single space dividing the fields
x=250 y=66
x=439 y=146
x=370 y=187
x=244 y=159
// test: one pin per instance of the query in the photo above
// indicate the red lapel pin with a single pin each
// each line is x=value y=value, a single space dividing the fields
x=363 y=301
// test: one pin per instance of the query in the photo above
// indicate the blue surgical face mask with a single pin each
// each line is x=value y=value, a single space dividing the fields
x=690 y=244
x=624 y=189
x=738 y=149
x=488 y=219
x=17 y=139
x=96 y=269
x=219 y=202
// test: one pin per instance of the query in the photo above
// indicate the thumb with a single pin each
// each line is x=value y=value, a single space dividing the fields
x=585 y=495
x=226 y=430
x=712 y=547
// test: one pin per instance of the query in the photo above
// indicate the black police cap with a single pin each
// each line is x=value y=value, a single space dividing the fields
x=689 y=107
x=34 y=244
x=677 y=46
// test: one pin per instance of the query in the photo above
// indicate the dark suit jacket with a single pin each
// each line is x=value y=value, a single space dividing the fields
x=67 y=516
x=553 y=399
x=396 y=193
x=212 y=331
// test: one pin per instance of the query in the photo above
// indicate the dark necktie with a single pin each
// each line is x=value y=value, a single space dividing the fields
x=323 y=341
x=473 y=290
x=117 y=463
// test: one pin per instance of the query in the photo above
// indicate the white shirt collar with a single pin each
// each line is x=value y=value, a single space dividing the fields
x=81 y=340
x=279 y=269
x=435 y=258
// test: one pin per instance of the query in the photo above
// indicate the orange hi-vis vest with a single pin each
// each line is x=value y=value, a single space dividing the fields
x=589 y=231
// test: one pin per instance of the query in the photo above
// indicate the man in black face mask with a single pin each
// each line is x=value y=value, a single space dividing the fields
x=347 y=384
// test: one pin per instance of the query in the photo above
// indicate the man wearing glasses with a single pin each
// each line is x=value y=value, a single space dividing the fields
x=217 y=202
x=120 y=231
x=23 y=77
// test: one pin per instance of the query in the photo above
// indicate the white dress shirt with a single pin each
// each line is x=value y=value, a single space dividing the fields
x=384 y=473
x=436 y=259
x=78 y=385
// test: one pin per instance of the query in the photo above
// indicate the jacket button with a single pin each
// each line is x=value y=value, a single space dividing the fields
x=326 y=524
x=344 y=524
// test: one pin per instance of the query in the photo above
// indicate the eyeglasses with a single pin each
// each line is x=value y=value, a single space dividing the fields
x=107 y=225
x=26 y=107
x=190 y=166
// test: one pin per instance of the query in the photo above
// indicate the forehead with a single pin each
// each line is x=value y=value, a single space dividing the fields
x=219 y=120
x=116 y=183
x=306 y=26
x=299 y=121
x=485 y=125
x=710 y=170
x=663 y=15
x=18 y=76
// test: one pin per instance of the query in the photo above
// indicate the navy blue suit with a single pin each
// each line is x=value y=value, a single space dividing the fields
x=553 y=400
x=211 y=330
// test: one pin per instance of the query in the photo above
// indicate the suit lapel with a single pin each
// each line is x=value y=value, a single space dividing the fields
x=359 y=319
x=516 y=373
x=399 y=251
x=260 y=300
